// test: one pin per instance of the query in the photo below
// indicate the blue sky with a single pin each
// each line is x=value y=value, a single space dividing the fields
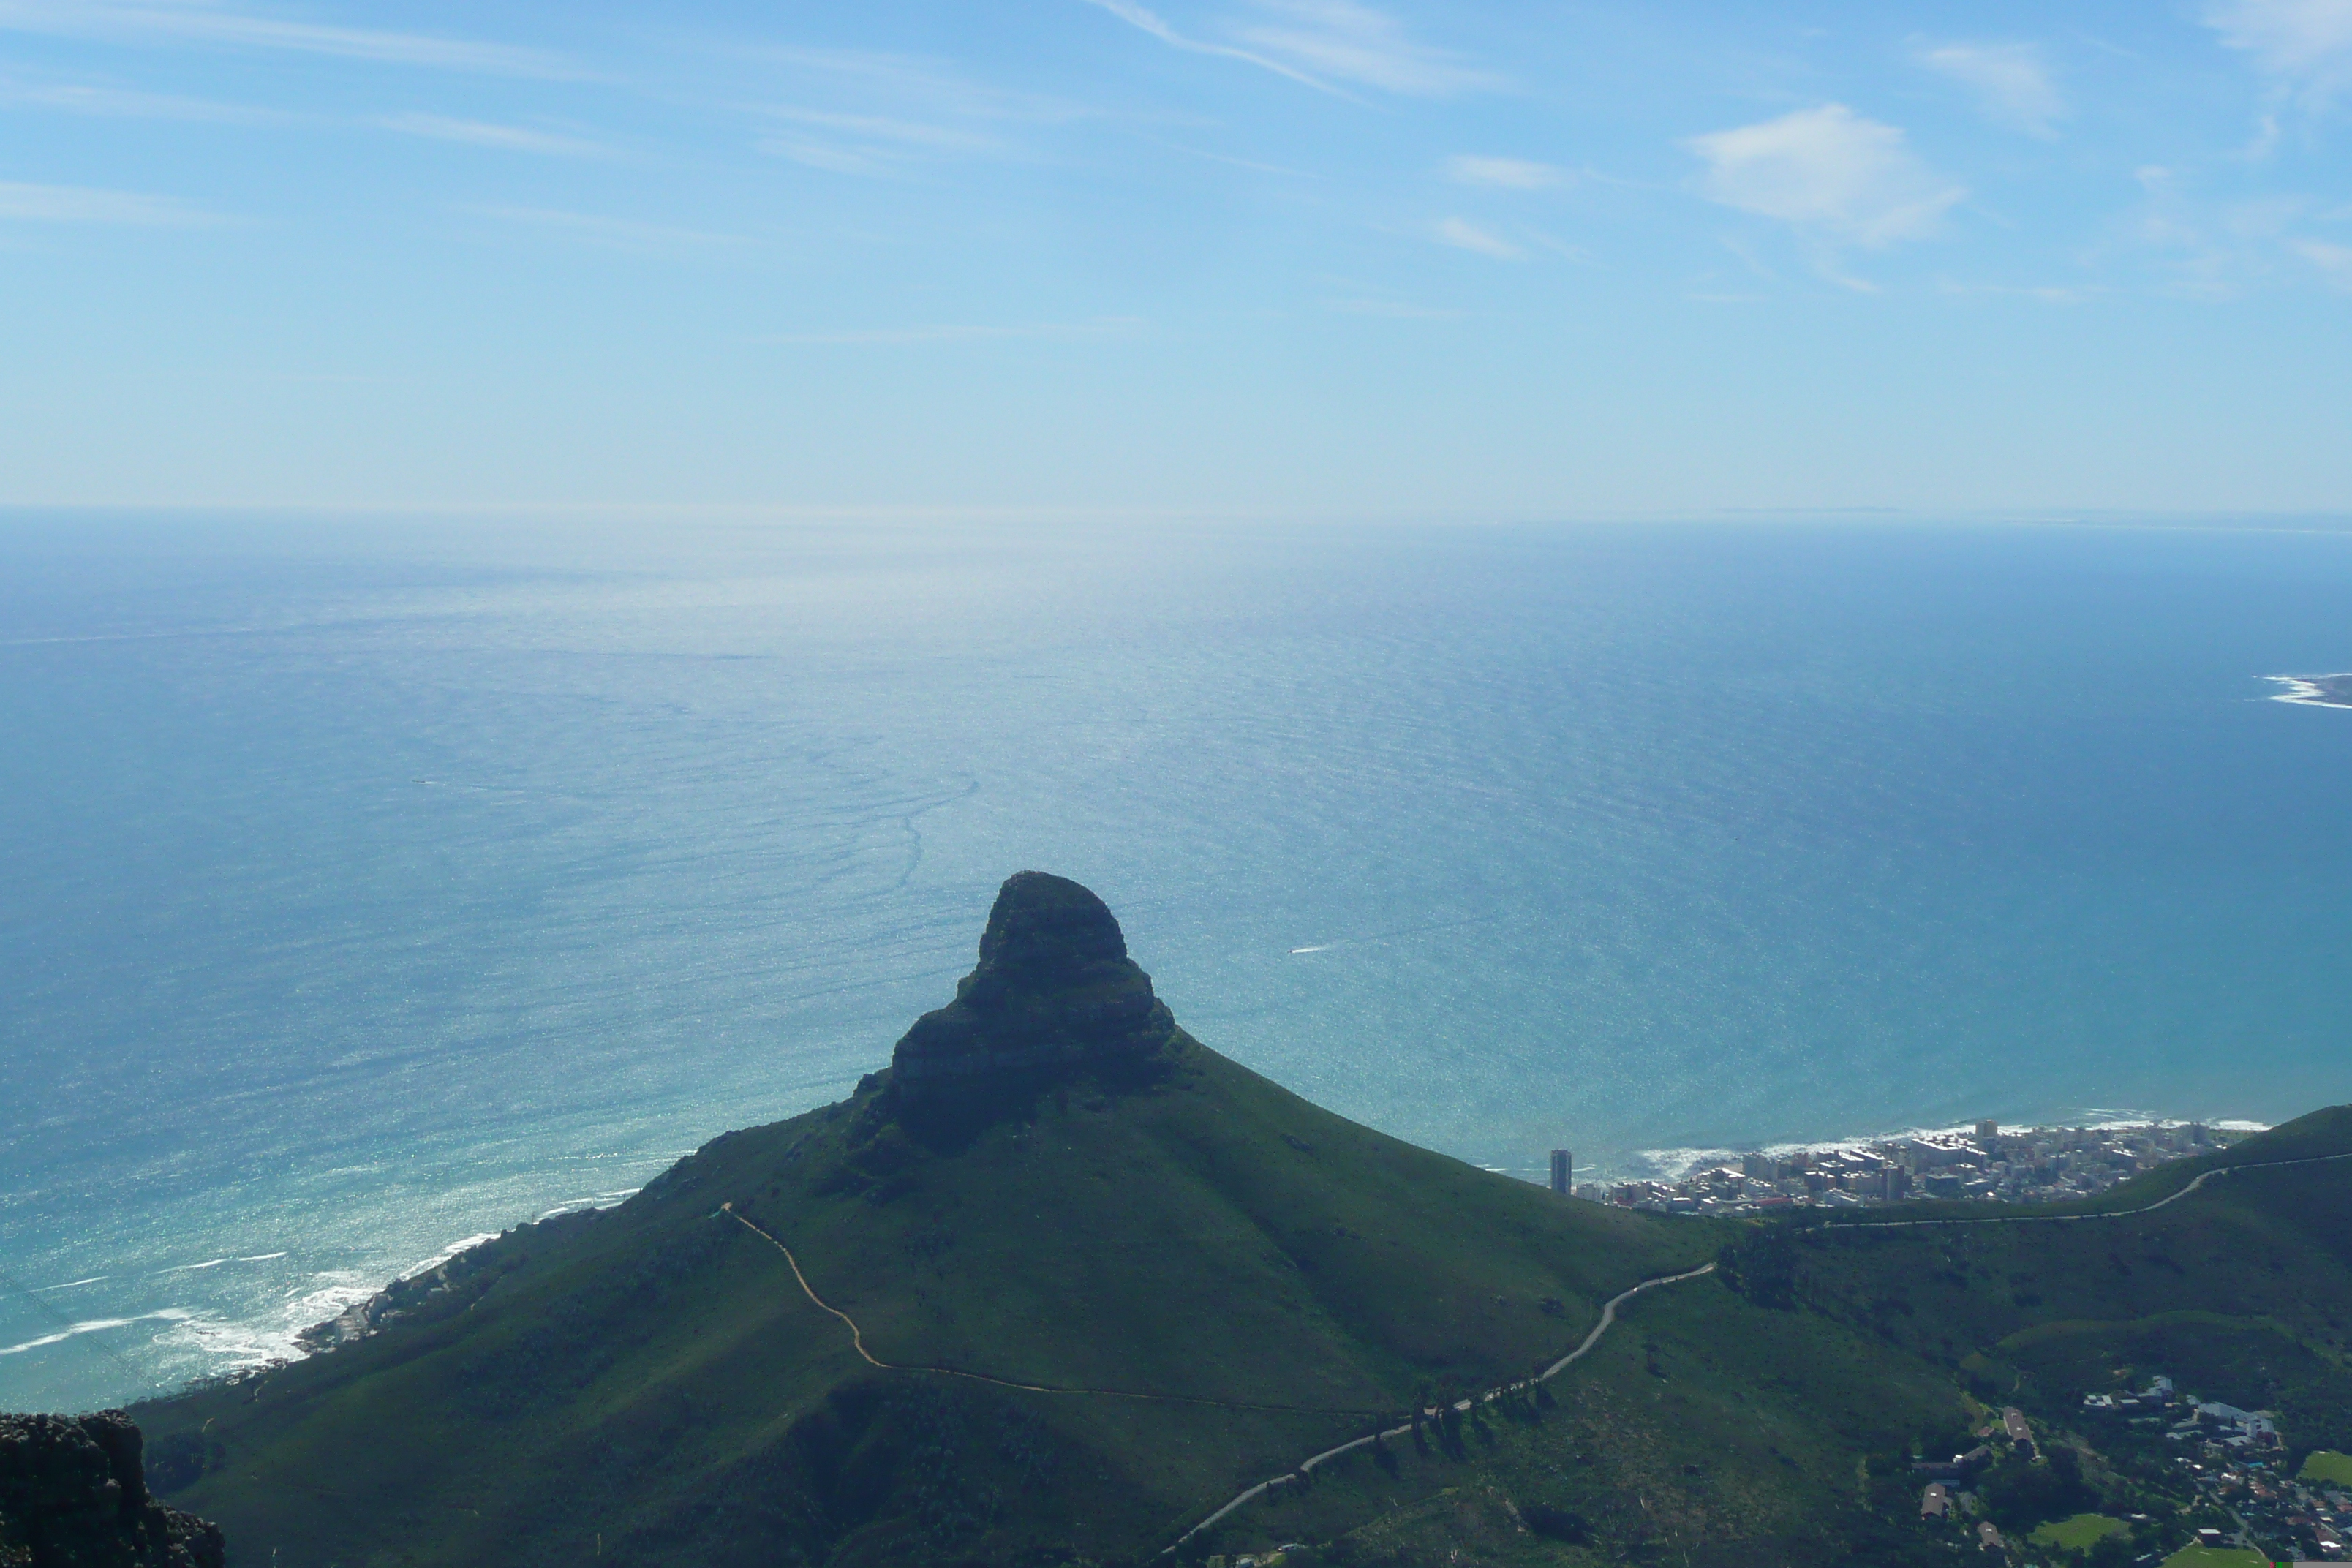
x=1283 y=257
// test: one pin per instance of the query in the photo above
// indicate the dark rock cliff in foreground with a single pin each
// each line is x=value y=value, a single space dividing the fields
x=73 y=1492
x=1054 y=989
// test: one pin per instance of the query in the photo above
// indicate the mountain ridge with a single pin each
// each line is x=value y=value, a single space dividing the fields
x=1078 y=1280
x=1124 y=1208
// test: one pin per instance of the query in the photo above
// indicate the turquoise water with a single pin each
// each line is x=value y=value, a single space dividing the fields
x=371 y=887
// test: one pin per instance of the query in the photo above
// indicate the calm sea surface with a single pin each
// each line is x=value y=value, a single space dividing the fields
x=366 y=888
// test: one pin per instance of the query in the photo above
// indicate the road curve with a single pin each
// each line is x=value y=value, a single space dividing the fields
x=1609 y=1311
x=1608 y=1316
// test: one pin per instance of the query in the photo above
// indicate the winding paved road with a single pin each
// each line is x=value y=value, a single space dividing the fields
x=1609 y=1311
x=1608 y=1316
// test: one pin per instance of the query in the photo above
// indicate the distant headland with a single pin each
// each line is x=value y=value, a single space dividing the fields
x=2314 y=690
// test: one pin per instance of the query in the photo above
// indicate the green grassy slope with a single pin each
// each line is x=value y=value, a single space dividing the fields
x=1769 y=1414
x=1703 y=1430
x=2242 y=1288
x=1213 y=1280
x=652 y=1383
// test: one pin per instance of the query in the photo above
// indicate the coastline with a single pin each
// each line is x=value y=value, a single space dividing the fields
x=362 y=1312
x=1674 y=1164
x=418 y=1285
x=2314 y=690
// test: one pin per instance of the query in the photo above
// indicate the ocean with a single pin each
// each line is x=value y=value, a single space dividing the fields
x=371 y=885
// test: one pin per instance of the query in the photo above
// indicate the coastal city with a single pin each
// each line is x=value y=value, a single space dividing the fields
x=2022 y=1165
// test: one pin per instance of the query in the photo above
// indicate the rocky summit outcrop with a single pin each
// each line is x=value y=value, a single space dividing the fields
x=1054 y=989
x=73 y=1495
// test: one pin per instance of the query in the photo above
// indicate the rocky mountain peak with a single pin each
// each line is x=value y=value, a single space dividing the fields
x=1054 y=988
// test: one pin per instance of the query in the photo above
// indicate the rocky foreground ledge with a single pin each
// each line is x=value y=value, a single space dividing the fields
x=73 y=1492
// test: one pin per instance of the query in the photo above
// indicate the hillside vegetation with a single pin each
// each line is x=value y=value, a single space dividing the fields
x=2243 y=1290
x=1209 y=1280
x=653 y=1376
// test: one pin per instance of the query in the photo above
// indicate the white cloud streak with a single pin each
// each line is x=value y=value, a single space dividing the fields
x=831 y=157
x=2304 y=38
x=1345 y=41
x=898 y=112
x=1390 y=310
x=871 y=144
x=1829 y=172
x=1319 y=43
x=119 y=103
x=931 y=85
x=1146 y=20
x=1503 y=174
x=613 y=233
x=913 y=132
x=1464 y=235
x=79 y=203
x=2333 y=261
x=198 y=22
x=503 y=138
x=2011 y=81
x=1100 y=326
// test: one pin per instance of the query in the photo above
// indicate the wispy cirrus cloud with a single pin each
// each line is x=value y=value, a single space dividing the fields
x=1093 y=327
x=883 y=114
x=198 y=22
x=1464 y=235
x=1830 y=173
x=122 y=103
x=2209 y=246
x=1343 y=40
x=616 y=234
x=2299 y=39
x=919 y=85
x=1390 y=310
x=1505 y=173
x=2011 y=82
x=870 y=143
x=1320 y=44
x=1145 y=19
x=80 y=204
x=2333 y=261
x=483 y=133
x=2045 y=293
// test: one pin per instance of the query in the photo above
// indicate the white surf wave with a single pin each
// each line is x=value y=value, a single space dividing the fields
x=2306 y=691
x=1674 y=1164
x=93 y=1326
x=466 y=1245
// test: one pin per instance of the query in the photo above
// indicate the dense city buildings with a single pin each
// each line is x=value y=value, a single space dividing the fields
x=2025 y=1166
